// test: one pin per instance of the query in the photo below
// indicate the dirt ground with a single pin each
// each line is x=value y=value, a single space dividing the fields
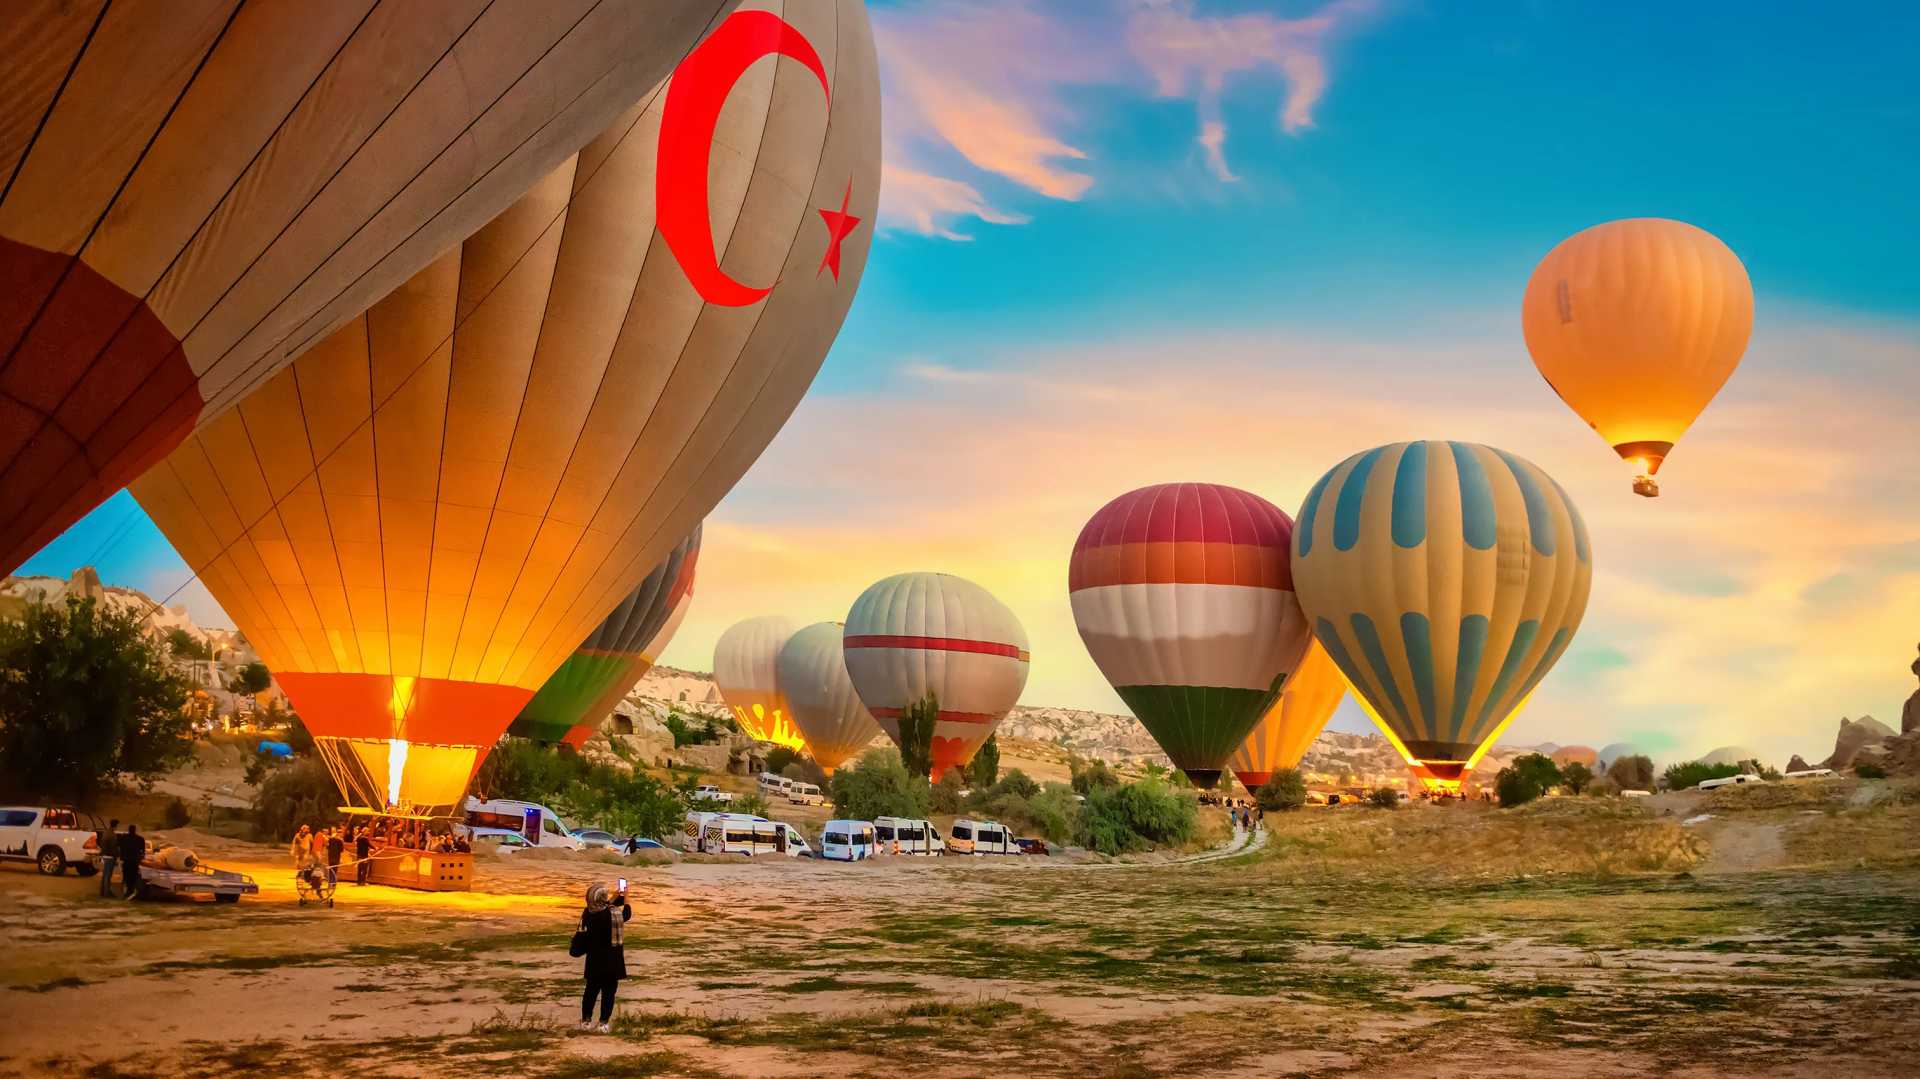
x=1413 y=942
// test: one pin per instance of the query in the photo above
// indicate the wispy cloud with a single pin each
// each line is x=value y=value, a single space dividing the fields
x=986 y=86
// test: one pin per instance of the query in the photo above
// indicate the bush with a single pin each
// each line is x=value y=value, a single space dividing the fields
x=1090 y=776
x=624 y=803
x=1575 y=776
x=778 y=758
x=176 y=815
x=1014 y=782
x=300 y=792
x=1136 y=816
x=754 y=804
x=946 y=793
x=1632 y=773
x=916 y=735
x=1869 y=770
x=1679 y=777
x=1384 y=797
x=1527 y=778
x=877 y=785
x=984 y=769
x=529 y=772
x=183 y=646
x=1285 y=789
x=688 y=733
x=806 y=770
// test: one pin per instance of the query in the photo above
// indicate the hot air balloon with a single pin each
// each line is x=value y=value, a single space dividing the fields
x=1636 y=325
x=1184 y=598
x=746 y=670
x=812 y=669
x=198 y=192
x=570 y=705
x=1444 y=579
x=919 y=636
x=421 y=517
x=1283 y=735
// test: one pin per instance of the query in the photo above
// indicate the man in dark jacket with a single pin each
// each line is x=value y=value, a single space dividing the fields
x=133 y=850
x=335 y=846
x=362 y=856
x=108 y=840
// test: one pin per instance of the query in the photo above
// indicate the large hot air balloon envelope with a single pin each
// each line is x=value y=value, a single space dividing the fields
x=197 y=191
x=1183 y=595
x=1286 y=732
x=424 y=515
x=1444 y=579
x=746 y=669
x=569 y=706
x=916 y=636
x=813 y=672
x=1636 y=325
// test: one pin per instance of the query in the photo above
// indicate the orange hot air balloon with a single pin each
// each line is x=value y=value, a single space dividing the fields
x=196 y=192
x=1636 y=325
x=421 y=517
x=1307 y=700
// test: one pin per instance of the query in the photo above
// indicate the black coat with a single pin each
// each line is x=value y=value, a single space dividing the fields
x=606 y=961
x=133 y=847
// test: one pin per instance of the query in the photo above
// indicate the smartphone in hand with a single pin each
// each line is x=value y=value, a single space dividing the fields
x=623 y=886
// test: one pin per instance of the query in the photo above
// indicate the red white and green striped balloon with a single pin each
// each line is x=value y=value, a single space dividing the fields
x=1184 y=597
x=916 y=635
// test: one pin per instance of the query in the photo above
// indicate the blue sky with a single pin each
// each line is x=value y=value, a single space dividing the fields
x=1129 y=242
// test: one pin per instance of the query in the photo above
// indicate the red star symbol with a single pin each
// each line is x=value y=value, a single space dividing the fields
x=839 y=224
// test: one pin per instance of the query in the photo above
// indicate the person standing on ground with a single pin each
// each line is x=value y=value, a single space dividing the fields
x=133 y=849
x=362 y=856
x=335 y=847
x=108 y=840
x=603 y=922
x=301 y=848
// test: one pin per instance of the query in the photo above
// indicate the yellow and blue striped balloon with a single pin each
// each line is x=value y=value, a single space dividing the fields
x=1445 y=579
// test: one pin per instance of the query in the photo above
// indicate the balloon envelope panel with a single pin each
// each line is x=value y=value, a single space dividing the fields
x=199 y=192
x=919 y=635
x=1444 y=579
x=812 y=668
x=746 y=668
x=1286 y=732
x=1183 y=595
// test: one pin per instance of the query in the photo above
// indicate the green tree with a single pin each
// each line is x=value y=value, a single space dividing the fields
x=877 y=785
x=1527 y=778
x=528 y=771
x=1136 y=816
x=984 y=769
x=1285 y=789
x=1384 y=798
x=916 y=735
x=779 y=757
x=1686 y=774
x=946 y=792
x=86 y=697
x=1575 y=777
x=1090 y=776
x=1632 y=773
x=300 y=792
x=183 y=646
x=252 y=679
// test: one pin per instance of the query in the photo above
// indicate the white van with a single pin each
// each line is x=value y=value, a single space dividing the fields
x=805 y=794
x=981 y=837
x=1728 y=781
x=906 y=835
x=538 y=825
x=1810 y=773
x=774 y=786
x=848 y=840
x=742 y=833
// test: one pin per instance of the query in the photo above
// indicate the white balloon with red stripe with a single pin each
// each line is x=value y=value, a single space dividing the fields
x=919 y=635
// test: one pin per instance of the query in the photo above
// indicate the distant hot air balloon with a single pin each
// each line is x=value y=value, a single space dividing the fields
x=1444 y=579
x=1283 y=735
x=418 y=520
x=746 y=670
x=197 y=192
x=1183 y=595
x=574 y=699
x=813 y=672
x=1636 y=325
x=919 y=636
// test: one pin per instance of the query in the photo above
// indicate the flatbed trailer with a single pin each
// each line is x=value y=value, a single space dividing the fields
x=200 y=882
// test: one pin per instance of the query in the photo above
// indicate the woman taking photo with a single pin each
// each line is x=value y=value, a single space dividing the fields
x=601 y=932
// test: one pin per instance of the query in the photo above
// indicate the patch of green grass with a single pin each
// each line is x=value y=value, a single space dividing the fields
x=1433 y=962
x=625 y=1066
x=1533 y=989
x=828 y=983
x=68 y=982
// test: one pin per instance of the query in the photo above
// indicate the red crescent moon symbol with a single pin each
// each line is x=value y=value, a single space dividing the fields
x=694 y=96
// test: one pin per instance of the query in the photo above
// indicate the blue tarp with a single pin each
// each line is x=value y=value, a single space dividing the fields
x=276 y=749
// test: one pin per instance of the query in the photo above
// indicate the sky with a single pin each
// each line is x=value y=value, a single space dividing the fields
x=1125 y=242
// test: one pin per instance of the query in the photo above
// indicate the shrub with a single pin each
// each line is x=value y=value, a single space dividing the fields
x=1015 y=782
x=1869 y=770
x=686 y=733
x=300 y=792
x=1632 y=773
x=877 y=785
x=1384 y=797
x=1527 y=778
x=807 y=771
x=624 y=803
x=1285 y=789
x=1135 y=817
x=1090 y=776
x=916 y=735
x=984 y=769
x=176 y=815
x=754 y=804
x=1575 y=776
x=779 y=757
x=946 y=793
x=529 y=772
x=1679 y=777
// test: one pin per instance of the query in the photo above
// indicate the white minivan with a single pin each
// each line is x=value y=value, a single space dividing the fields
x=848 y=840
x=538 y=825
x=907 y=835
x=1728 y=781
x=742 y=833
x=774 y=786
x=805 y=794
x=981 y=837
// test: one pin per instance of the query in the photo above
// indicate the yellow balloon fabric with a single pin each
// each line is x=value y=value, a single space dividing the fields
x=1307 y=700
x=1636 y=324
x=1444 y=579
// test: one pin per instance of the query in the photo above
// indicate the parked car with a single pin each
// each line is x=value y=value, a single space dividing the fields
x=1030 y=845
x=500 y=839
x=710 y=793
x=595 y=839
x=637 y=843
x=51 y=837
x=805 y=794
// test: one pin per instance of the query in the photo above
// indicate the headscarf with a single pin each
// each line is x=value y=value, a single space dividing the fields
x=600 y=898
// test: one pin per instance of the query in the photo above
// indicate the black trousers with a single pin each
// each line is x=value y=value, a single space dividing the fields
x=130 y=876
x=603 y=988
x=361 y=868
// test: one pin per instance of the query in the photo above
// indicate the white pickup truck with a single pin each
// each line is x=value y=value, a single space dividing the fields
x=51 y=837
x=710 y=793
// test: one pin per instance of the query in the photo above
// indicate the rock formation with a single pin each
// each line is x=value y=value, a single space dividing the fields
x=1797 y=764
x=1857 y=736
x=1910 y=715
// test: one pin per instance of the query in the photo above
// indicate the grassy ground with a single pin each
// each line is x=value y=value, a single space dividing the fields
x=1574 y=935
